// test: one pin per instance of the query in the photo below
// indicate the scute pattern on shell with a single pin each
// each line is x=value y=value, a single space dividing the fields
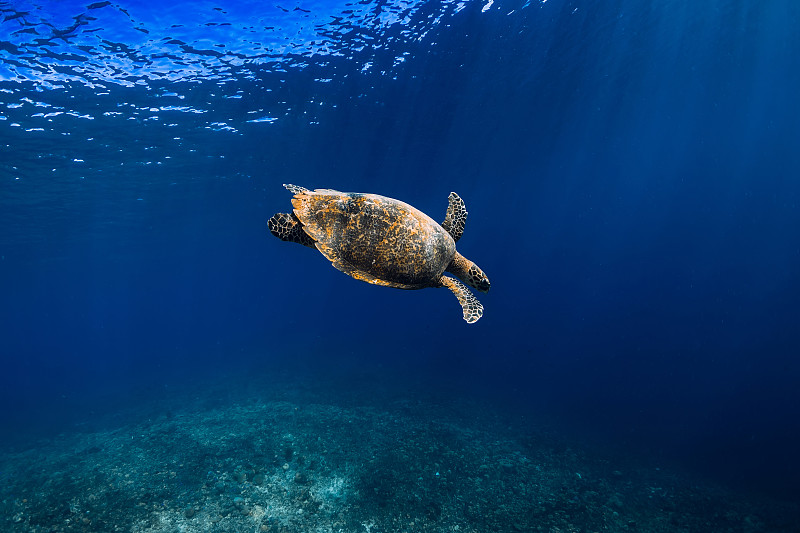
x=376 y=239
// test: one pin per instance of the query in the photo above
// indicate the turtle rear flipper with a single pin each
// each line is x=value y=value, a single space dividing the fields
x=456 y=216
x=470 y=305
x=295 y=189
x=286 y=227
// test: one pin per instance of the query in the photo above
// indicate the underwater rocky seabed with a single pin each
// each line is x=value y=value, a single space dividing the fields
x=288 y=459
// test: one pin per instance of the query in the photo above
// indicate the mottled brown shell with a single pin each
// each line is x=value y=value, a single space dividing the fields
x=376 y=239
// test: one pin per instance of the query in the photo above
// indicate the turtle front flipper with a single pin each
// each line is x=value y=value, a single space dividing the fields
x=456 y=216
x=470 y=305
x=286 y=227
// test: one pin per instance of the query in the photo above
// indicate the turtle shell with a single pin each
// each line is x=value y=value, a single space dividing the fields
x=374 y=238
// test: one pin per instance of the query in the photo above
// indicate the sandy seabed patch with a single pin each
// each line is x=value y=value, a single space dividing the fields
x=293 y=466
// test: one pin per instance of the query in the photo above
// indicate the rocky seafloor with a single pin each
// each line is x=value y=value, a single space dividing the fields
x=289 y=463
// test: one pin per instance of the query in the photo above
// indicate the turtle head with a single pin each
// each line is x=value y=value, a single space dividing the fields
x=477 y=279
x=469 y=273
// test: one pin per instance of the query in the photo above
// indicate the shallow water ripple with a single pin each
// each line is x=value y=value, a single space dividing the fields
x=103 y=43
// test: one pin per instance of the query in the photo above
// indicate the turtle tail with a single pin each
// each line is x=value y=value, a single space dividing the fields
x=287 y=227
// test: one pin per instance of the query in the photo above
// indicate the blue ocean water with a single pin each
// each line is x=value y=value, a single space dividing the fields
x=630 y=170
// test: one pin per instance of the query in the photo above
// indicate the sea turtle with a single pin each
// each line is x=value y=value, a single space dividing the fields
x=384 y=241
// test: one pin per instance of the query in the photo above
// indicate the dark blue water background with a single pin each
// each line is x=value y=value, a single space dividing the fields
x=630 y=168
